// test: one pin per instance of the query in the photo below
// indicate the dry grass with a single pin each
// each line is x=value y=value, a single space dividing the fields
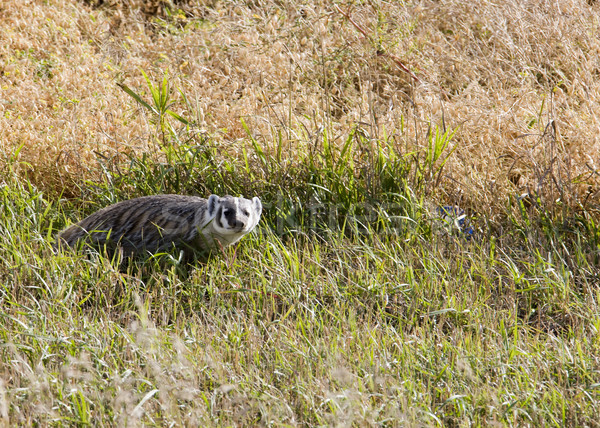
x=306 y=102
x=501 y=72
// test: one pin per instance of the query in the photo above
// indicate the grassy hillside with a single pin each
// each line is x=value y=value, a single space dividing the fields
x=355 y=302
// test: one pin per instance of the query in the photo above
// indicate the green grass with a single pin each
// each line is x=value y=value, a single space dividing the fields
x=352 y=304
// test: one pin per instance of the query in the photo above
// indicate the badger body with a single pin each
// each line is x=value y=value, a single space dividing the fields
x=158 y=223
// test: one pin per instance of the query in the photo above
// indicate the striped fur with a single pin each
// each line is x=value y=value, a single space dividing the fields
x=158 y=223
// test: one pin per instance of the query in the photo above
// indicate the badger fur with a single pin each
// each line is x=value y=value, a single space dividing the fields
x=158 y=223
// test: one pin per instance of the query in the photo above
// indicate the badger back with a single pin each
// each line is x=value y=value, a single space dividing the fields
x=148 y=223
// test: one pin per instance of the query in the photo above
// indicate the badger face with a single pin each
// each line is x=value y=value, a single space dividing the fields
x=234 y=216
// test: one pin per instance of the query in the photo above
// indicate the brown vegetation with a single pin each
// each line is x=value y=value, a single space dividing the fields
x=521 y=81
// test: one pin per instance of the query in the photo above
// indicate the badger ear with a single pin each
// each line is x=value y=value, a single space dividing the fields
x=257 y=206
x=213 y=205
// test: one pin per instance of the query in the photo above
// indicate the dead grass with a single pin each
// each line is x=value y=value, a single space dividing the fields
x=501 y=72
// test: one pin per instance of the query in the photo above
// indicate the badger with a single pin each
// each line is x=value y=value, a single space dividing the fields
x=159 y=223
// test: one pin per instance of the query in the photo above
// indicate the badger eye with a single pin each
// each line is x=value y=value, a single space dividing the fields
x=245 y=212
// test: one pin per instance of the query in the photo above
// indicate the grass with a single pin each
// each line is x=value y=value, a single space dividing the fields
x=334 y=320
x=353 y=303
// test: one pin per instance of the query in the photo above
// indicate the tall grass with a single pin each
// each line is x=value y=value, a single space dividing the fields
x=351 y=304
x=357 y=301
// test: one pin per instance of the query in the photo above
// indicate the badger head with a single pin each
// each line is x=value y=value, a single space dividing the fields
x=233 y=216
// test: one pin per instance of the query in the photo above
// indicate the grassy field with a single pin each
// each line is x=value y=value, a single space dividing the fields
x=354 y=303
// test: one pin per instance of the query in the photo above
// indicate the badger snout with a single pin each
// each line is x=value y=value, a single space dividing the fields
x=238 y=225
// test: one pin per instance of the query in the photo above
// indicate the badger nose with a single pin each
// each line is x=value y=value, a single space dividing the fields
x=238 y=224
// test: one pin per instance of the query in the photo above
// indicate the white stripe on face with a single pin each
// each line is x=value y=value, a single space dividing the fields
x=237 y=209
